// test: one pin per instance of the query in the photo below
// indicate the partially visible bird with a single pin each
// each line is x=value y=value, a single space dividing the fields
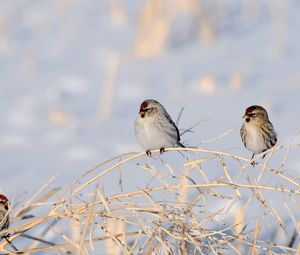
x=257 y=132
x=4 y=218
x=154 y=128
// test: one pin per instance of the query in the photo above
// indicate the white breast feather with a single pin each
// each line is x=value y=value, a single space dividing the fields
x=152 y=136
x=254 y=139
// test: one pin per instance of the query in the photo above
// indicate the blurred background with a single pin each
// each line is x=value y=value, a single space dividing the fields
x=73 y=74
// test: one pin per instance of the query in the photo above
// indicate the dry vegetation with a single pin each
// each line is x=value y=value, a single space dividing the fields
x=200 y=202
x=179 y=211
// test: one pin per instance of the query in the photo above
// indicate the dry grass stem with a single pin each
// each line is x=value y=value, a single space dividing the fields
x=180 y=210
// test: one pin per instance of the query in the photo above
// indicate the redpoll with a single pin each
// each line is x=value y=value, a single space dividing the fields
x=4 y=218
x=257 y=132
x=154 y=128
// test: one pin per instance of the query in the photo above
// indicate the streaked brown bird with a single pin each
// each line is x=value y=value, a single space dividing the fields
x=257 y=132
x=4 y=217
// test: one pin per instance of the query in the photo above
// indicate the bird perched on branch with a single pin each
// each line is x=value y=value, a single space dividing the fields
x=257 y=132
x=155 y=129
x=4 y=218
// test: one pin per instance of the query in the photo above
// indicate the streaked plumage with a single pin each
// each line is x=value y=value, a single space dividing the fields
x=154 y=128
x=257 y=132
x=4 y=218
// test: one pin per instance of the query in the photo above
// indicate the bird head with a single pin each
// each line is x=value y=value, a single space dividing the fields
x=149 y=108
x=255 y=113
x=4 y=201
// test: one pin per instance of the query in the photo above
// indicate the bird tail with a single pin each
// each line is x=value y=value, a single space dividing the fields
x=180 y=144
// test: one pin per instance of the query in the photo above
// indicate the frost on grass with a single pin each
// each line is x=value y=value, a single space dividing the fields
x=193 y=202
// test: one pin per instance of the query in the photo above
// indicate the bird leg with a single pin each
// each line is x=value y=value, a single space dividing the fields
x=253 y=161
x=264 y=156
x=162 y=150
x=6 y=235
x=10 y=242
x=148 y=152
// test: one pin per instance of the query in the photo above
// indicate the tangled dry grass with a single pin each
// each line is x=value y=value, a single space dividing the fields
x=194 y=202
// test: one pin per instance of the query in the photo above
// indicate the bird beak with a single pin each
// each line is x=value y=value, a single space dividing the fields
x=246 y=117
x=6 y=205
x=142 y=113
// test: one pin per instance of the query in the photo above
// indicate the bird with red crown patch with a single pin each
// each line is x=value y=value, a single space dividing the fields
x=257 y=132
x=154 y=128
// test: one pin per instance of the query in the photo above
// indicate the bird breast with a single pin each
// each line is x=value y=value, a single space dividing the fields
x=255 y=141
x=153 y=133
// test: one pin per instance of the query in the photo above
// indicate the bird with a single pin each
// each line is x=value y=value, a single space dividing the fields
x=4 y=217
x=155 y=129
x=257 y=132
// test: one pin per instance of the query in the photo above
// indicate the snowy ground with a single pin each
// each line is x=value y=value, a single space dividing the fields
x=60 y=60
